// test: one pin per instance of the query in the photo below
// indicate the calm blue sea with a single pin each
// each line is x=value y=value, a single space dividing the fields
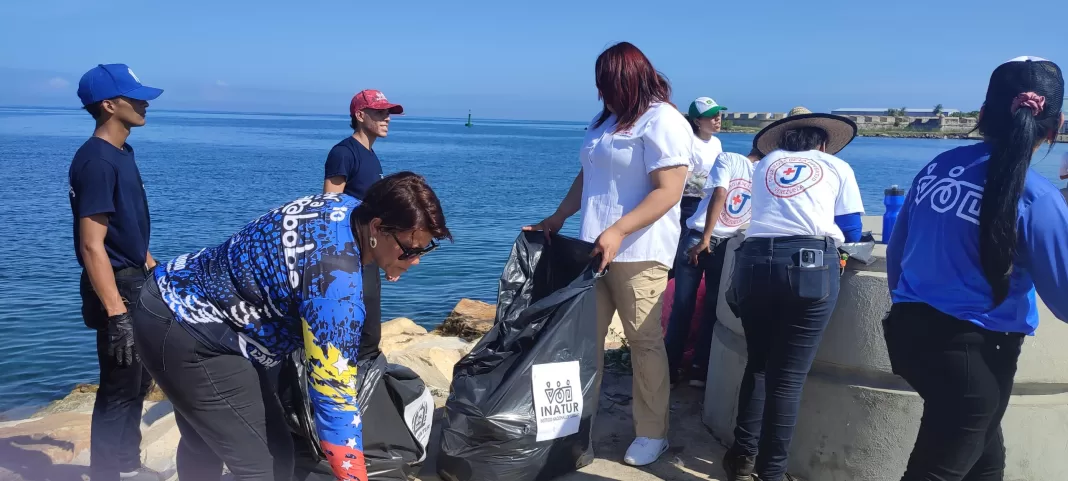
x=209 y=174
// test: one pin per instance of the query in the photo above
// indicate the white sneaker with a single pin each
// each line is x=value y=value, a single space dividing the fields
x=645 y=451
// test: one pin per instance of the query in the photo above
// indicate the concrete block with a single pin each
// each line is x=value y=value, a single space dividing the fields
x=858 y=420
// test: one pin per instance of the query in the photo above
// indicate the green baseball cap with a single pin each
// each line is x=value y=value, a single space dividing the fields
x=705 y=107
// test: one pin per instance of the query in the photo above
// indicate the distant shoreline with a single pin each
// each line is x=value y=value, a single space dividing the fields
x=898 y=134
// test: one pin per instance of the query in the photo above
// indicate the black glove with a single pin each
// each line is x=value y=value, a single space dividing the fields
x=121 y=340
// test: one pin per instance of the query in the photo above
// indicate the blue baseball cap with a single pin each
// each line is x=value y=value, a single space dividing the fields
x=113 y=80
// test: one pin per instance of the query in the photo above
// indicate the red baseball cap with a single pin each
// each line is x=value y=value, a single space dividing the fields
x=373 y=99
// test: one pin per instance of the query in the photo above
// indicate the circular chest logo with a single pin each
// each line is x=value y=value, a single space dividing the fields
x=790 y=176
x=739 y=203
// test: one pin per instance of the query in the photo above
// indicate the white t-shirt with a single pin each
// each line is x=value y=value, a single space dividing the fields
x=705 y=153
x=733 y=172
x=616 y=168
x=1063 y=171
x=799 y=193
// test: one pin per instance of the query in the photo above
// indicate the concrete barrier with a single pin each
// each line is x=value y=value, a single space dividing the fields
x=858 y=421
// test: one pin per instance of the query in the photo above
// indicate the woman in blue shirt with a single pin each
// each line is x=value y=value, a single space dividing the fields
x=211 y=325
x=978 y=234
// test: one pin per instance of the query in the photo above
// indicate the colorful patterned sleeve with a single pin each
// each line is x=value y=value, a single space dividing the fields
x=331 y=336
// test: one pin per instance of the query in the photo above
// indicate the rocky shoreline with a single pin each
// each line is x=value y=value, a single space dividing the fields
x=53 y=443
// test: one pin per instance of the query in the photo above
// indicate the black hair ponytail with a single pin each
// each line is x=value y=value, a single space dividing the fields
x=1022 y=108
x=1006 y=172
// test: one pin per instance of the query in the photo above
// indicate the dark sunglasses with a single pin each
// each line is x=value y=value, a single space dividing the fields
x=413 y=252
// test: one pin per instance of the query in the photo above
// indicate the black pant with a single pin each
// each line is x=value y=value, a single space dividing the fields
x=964 y=374
x=784 y=308
x=115 y=437
x=687 y=283
x=225 y=407
x=687 y=207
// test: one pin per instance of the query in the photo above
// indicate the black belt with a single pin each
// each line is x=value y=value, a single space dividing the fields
x=771 y=241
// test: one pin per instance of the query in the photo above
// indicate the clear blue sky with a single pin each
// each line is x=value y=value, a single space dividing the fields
x=524 y=60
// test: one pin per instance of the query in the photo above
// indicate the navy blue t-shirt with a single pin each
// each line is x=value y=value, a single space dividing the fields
x=105 y=180
x=357 y=164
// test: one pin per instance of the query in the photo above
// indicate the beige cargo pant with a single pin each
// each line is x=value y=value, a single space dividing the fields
x=635 y=289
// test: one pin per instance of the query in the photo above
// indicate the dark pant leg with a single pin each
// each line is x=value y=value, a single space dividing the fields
x=810 y=295
x=1002 y=354
x=195 y=459
x=687 y=281
x=751 y=283
x=115 y=437
x=687 y=207
x=220 y=398
x=964 y=390
x=712 y=265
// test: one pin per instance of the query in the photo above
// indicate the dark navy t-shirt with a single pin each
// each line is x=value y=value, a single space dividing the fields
x=105 y=180
x=357 y=164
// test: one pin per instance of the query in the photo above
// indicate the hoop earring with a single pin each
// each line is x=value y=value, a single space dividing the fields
x=373 y=242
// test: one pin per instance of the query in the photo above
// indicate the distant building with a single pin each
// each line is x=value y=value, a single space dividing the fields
x=908 y=112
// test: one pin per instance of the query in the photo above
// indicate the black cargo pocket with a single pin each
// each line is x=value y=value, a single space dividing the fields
x=810 y=283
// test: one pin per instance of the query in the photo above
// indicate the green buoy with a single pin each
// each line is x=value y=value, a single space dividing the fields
x=468 y=124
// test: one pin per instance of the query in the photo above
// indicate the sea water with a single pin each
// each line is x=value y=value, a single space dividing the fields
x=207 y=175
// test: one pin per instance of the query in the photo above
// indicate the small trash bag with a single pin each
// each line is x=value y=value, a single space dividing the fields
x=396 y=409
x=522 y=402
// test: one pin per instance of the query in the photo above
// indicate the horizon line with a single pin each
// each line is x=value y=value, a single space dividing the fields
x=296 y=114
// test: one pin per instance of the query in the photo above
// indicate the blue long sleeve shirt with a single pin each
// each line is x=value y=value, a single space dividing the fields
x=290 y=279
x=933 y=253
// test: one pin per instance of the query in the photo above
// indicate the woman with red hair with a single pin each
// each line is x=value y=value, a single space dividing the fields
x=635 y=158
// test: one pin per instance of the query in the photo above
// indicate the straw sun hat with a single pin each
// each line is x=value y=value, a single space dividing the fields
x=840 y=130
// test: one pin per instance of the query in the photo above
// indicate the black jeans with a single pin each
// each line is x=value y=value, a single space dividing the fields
x=687 y=282
x=115 y=436
x=964 y=374
x=226 y=409
x=687 y=207
x=784 y=310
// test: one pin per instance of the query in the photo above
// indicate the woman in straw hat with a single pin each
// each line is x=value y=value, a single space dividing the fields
x=634 y=160
x=805 y=203
x=979 y=233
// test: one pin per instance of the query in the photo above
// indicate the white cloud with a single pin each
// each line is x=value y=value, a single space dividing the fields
x=58 y=83
x=221 y=83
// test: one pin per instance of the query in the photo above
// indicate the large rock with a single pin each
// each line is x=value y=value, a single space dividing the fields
x=82 y=397
x=56 y=446
x=469 y=320
x=430 y=355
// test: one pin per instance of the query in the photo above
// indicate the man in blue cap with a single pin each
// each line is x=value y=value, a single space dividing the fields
x=111 y=232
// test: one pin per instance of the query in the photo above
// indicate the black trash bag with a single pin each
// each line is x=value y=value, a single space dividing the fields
x=396 y=409
x=546 y=322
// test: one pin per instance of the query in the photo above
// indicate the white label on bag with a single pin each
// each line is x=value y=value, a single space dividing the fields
x=419 y=415
x=557 y=399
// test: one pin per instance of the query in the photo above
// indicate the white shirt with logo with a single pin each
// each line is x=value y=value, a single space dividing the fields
x=733 y=172
x=800 y=193
x=615 y=179
x=705 y=153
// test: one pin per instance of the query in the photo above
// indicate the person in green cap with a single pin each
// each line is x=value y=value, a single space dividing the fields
x=704 y=117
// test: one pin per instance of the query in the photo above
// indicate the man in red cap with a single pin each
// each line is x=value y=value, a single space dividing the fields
x=352 y=166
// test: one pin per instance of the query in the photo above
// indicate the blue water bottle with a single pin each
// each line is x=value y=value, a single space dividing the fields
x=893 y=200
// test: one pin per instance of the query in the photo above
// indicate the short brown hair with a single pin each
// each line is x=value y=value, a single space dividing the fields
x=404 y=202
